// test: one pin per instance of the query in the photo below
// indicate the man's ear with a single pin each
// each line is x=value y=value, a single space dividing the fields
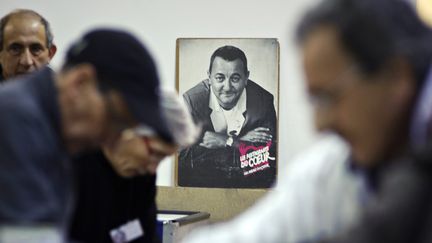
x=52 y=51
x=247 y=77
x=402 y=78
x=209 y=74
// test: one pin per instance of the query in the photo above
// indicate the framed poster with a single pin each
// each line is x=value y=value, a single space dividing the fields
x=231 y=87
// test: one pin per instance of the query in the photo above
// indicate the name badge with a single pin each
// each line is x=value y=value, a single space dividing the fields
x=127 y=232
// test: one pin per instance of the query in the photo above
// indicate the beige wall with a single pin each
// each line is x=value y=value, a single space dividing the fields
x=222 y=204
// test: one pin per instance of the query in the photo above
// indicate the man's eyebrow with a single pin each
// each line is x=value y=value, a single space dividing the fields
x=36 y=44
x=30 y=44
x=236 y=74
x=15 y=44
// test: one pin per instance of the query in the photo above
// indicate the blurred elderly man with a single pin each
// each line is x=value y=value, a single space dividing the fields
x=116 y=186
x=376 y=94
x=129 y=157
x=95 y=98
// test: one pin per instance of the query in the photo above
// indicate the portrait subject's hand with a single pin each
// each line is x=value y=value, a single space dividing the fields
x=258 y=135
x=212 y=140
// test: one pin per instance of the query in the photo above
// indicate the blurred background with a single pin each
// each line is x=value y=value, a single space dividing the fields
x=158 y=23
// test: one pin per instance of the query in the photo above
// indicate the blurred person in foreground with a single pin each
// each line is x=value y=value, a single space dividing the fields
x=116 y=186
x=366 y=63
x=380 y=102
x=26 y=43
x=97 y=96
x=28 y=46
x=317 y=194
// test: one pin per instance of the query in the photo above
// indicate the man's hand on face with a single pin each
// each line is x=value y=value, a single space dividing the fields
x=159 y=149
x=212 y=140
x=135 y=155
x=258 y=135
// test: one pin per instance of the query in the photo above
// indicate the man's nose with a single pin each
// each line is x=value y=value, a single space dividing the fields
x=26 y=58
x=227 y=85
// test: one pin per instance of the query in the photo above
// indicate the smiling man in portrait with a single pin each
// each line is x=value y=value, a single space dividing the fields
x=237 y=148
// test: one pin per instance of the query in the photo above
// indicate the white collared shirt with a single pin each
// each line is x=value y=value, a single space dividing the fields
x=225 y=121
x=317 y=196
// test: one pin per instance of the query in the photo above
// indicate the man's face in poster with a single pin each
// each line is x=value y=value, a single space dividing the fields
x=228 y=79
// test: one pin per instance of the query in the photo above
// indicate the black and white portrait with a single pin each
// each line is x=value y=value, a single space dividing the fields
x=231 y=89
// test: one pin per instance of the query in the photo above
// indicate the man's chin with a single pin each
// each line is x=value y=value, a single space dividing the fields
x=227 y=103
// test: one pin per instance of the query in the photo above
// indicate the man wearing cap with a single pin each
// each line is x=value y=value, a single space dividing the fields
x=91 y=102
x=115 y=187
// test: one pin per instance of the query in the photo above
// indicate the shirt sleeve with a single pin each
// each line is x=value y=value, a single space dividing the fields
x=303 y=205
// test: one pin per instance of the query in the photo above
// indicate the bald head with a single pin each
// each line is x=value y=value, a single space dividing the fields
x=29 y=14
x=25 y=43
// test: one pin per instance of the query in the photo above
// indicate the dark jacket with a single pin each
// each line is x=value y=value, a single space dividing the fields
x=106 y=201
x=35 y=186
x=1 y=75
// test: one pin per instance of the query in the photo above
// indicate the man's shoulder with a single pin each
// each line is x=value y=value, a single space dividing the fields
x=199 y=92
x=14 y=95
x=17 y=104
x=202 y=87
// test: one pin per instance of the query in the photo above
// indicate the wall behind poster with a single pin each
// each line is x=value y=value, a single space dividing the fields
x=160 y=22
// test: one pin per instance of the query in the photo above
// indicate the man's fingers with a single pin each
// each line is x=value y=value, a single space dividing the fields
x=264 y=134
x=161 y=148
x=152 y=167
x=204 y=145
x=261 y=129
x=262 y=137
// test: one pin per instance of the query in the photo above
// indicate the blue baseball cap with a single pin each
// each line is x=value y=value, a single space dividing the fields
x=124 y=64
